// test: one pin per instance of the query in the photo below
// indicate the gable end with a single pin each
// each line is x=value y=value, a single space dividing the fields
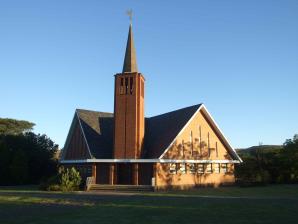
x=189 y=145
x=76 y=146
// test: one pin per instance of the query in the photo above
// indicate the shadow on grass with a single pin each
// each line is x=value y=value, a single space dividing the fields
x=42 y=207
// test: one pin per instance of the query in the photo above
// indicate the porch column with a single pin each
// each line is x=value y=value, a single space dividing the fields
x=94 y=172
x=112 y=174
x=135 y=174
x=115 y=173
x=154 y=173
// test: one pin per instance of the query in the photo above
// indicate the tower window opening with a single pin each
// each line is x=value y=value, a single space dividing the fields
x=142 y=89
x=122 y=86
x=131 y=85
x=126 y=85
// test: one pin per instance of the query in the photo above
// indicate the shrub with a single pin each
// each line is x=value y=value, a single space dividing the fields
x=54 y=187
x=66 y=180
x=70 y=179
x=46 y=184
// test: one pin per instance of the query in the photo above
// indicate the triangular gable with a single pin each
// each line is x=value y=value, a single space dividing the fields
x=215 y=127
x=220 y=133
x=76 y=145
x=98 y=128
x=162 y=129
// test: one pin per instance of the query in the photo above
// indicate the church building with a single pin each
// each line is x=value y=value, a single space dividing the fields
x=179 y=149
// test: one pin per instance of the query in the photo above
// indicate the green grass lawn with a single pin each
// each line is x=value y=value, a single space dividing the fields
x=271 y=204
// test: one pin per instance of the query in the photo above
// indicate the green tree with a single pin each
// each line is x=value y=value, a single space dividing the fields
x=289 y=160
x=264 y=164
x=14 y=127
x=19 y=167
x=5 y=161
x=25 y=157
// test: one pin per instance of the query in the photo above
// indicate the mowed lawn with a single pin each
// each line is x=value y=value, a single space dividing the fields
x=271 y=204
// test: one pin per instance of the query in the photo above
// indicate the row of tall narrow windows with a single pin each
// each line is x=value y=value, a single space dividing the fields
x=201 y=143
x=200 y=168
x=126 y=86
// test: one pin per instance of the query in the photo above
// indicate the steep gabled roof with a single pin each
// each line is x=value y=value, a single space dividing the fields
x=98 y=131
x=161 y=130
x=213 y=125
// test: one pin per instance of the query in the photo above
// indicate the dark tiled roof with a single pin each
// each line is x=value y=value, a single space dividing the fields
x=160 y=131
x=98 y=129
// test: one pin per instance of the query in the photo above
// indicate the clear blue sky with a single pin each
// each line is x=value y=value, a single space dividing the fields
x=240 y=58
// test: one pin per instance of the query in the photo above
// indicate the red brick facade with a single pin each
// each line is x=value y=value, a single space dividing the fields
x=129 y=115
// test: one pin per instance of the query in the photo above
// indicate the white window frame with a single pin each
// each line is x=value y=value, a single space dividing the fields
x=216 y=167
x=182 y=168
x=224 y=168
x=192 y=168
x=200 y=168
x=173 y=168
x=209 y=168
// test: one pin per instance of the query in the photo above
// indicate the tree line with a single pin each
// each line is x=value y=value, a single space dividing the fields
x=25 y=157
x=269 y=164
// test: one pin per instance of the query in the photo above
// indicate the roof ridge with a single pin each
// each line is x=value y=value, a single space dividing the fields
x=173 y=111
x=78 y=109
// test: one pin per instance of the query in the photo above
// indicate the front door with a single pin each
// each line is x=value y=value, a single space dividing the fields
x=124 y=173
x=102 y=173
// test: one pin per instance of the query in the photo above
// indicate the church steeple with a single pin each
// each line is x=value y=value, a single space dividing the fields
x=129 y=117
x=130 y=60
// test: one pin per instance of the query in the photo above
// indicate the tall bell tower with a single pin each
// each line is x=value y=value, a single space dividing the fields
x=129 y=127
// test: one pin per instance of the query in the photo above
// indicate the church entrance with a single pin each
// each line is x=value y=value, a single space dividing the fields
x=102 y=173
x=145 y=173
x=124 y=174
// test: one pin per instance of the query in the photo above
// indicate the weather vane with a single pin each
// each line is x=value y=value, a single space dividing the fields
x=129 y=13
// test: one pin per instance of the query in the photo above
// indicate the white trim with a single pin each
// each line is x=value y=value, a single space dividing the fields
x=146 y=161
x=182 y=130
x=222 y=134
x=83 y=134
x=202 y=106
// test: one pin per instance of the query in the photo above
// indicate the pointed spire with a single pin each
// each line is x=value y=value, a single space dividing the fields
x=130 y=60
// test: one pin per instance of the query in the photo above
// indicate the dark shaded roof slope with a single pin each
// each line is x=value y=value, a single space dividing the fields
x=161 y=130
x=98 y=129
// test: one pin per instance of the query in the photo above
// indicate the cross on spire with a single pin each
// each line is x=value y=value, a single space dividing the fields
x=130 y=60
x=129 y=13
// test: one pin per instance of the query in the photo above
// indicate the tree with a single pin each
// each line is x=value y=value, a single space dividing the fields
x=25 y=157
x=5 y=161
x=264 y=164
x=14 y=127
x=19 y=168
x=289 y=159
